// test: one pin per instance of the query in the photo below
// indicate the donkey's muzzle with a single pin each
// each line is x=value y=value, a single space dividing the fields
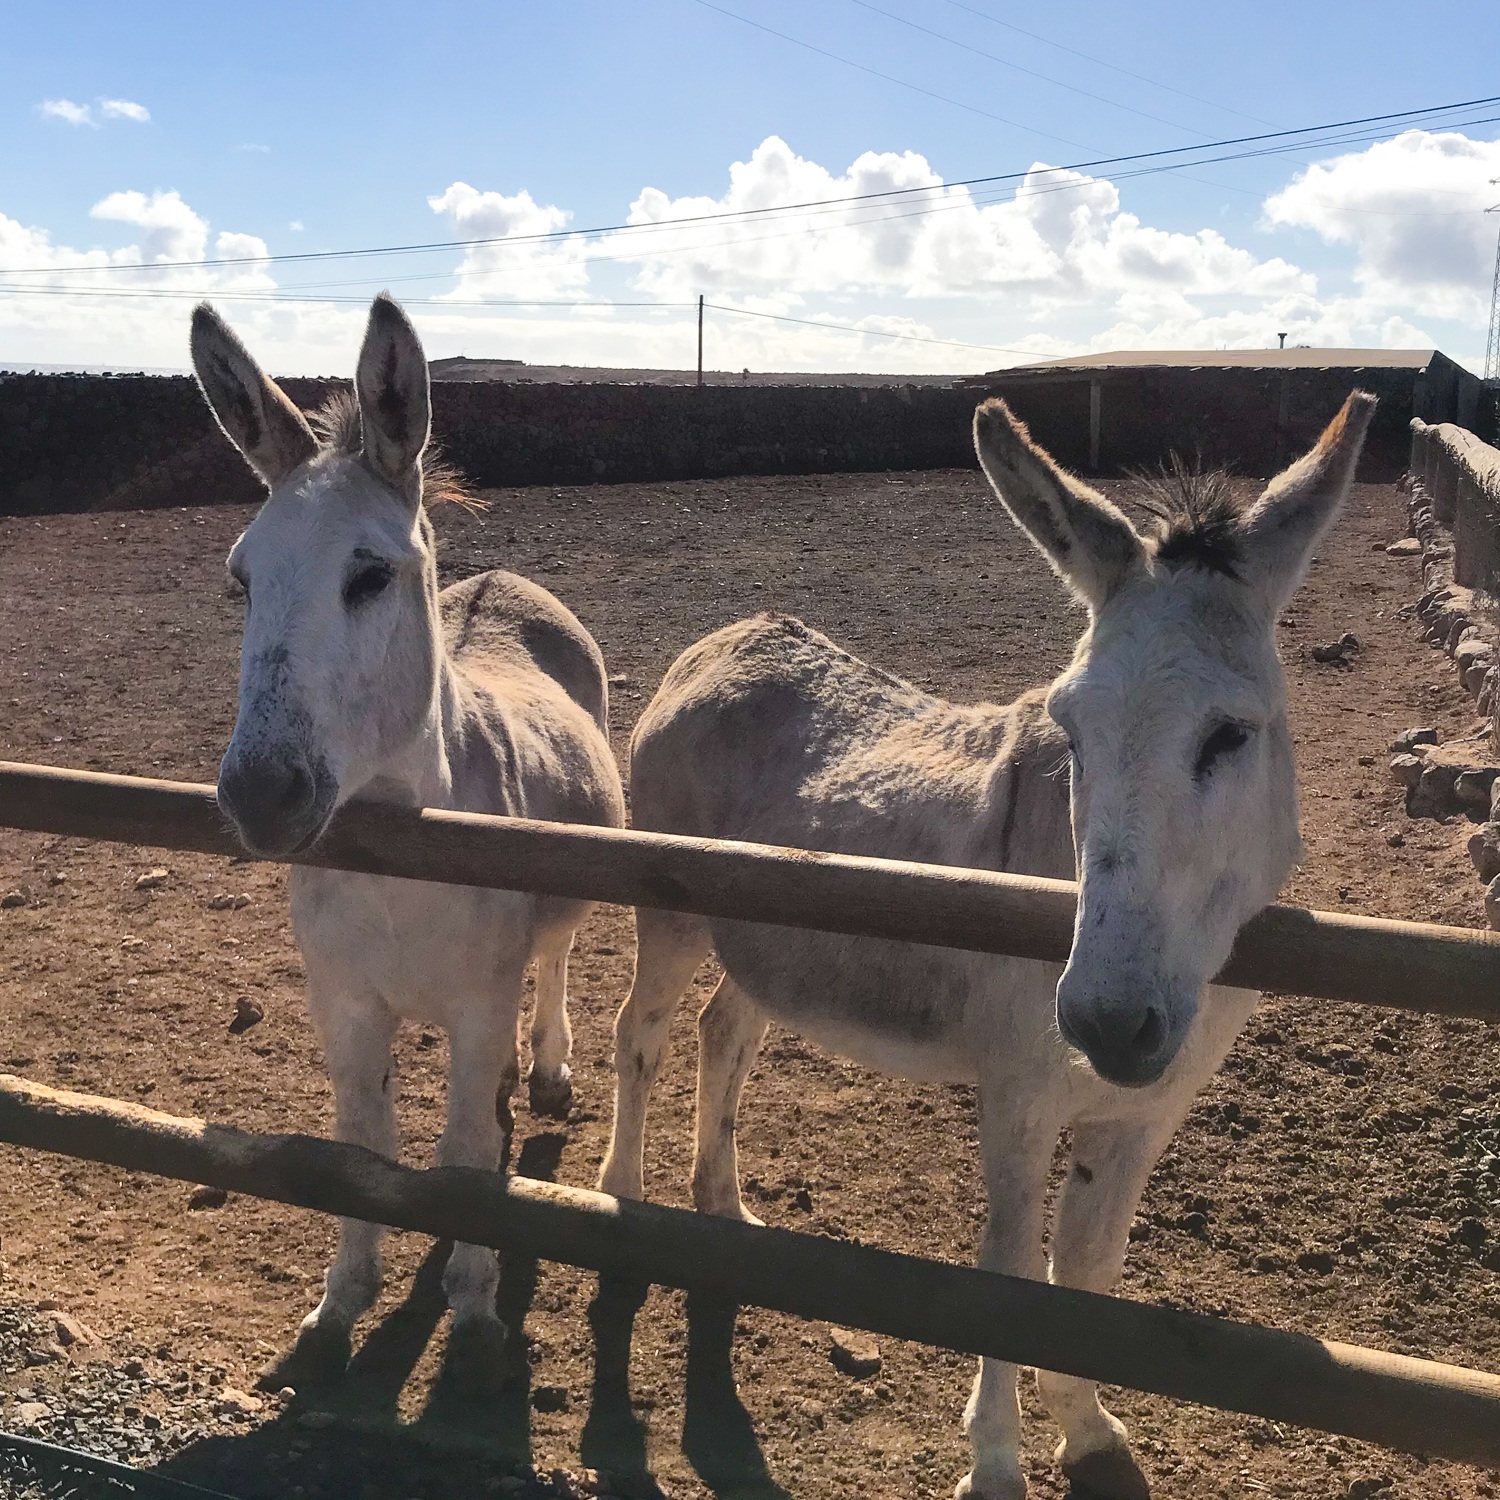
x=278 y=805
x=1127 y=1040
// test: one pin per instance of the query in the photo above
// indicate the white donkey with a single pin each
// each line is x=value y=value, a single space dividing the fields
x=1172 y=717
x=358 y=677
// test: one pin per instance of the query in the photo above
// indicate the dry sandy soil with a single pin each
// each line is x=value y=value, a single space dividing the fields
x=1328 y=1180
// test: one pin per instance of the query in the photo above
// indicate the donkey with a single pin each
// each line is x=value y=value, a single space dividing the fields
x=358 y=677
x=1180 y=792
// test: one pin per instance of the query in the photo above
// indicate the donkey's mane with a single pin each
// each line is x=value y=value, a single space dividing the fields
x=339 y=430
x=1197 y=514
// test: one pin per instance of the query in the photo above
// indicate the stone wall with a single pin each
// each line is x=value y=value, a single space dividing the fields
x=1453 y=490
x=82 y=442
x=1253 y=420
x=71 y=443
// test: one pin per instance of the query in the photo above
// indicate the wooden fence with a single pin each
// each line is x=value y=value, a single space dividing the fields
x=1419 y=1405
x=1407 y=965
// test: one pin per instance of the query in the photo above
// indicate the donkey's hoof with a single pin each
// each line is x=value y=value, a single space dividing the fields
x=474 y=1362
x=319 y=1357
x=551 y=1096
x=1011 y=1488
x=1105 y=1474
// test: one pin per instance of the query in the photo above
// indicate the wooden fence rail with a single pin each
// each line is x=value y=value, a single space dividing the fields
x=1406 y=965
x=1444 y=1411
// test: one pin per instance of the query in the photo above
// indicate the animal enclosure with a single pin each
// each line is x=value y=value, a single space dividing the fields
x=873 y=1145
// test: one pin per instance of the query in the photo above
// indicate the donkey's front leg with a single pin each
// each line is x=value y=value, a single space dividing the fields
x=357 y=1032
x=1016 y=1142
x=482 y=1069
x=1090 y=1230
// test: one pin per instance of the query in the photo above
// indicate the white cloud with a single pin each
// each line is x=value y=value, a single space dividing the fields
x=1056 y=264
x=1059 y=237
x=542 y=269
x=149 y=325
x=83 y=114
x=1412 y=210
x=124 y=109
x=67 y=111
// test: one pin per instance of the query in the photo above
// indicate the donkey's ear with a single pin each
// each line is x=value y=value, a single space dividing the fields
x=1086 y=539
x=395 y=405
x=252 y=409
x=1301 y=503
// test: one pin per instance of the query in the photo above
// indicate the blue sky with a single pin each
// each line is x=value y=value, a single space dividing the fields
x=297 y=128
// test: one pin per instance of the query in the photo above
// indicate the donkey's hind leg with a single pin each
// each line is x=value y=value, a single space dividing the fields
x=550 y=1084
x=730 y=1031
x=668 y=948
x=1091 y=1226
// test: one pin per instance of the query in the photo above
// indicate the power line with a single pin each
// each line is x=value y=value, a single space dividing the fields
x=879 y=333
x=1155 y=83
x=1005 y=62
x=1413 y=116
x=915 y=88
x=261 y=294
x=229 y=295
x=950 y=202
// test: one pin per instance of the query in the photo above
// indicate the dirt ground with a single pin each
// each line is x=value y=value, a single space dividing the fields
x=1328 y=1180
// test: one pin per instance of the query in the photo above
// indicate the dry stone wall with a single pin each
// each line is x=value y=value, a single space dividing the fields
x=71 y=443
x=87 y=442
x=1453 y=505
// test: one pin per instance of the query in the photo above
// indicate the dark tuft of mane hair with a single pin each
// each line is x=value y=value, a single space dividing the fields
x=1197 y=515
x=339 y=430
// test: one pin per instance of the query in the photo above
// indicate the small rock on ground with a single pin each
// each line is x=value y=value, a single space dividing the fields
x=1409 y=739
x=856 y=1354
x=246 y=1014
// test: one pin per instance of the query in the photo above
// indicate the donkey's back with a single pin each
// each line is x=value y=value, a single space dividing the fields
x=768 y=730
x=500 y=624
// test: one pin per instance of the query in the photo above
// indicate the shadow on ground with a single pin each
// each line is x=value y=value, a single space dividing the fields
x=347 y=1440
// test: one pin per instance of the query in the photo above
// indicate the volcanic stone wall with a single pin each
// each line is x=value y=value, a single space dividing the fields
x=88 y=442
x=71 y=443
x=1254 y=421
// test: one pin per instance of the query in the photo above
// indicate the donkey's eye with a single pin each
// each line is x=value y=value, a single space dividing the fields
x=366 y=584
x=1224 y=740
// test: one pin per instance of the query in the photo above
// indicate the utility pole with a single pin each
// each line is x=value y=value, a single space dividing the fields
x=700 y=338
x=1492 y=346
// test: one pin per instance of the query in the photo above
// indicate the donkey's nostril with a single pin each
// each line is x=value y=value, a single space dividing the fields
x=271 y=801
x=292 y=793
x=269 y=790
x=1151 y=1033
x=1128 y=1043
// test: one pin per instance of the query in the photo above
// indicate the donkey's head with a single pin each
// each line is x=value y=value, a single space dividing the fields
x=339 y=665
x=1183 y=793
